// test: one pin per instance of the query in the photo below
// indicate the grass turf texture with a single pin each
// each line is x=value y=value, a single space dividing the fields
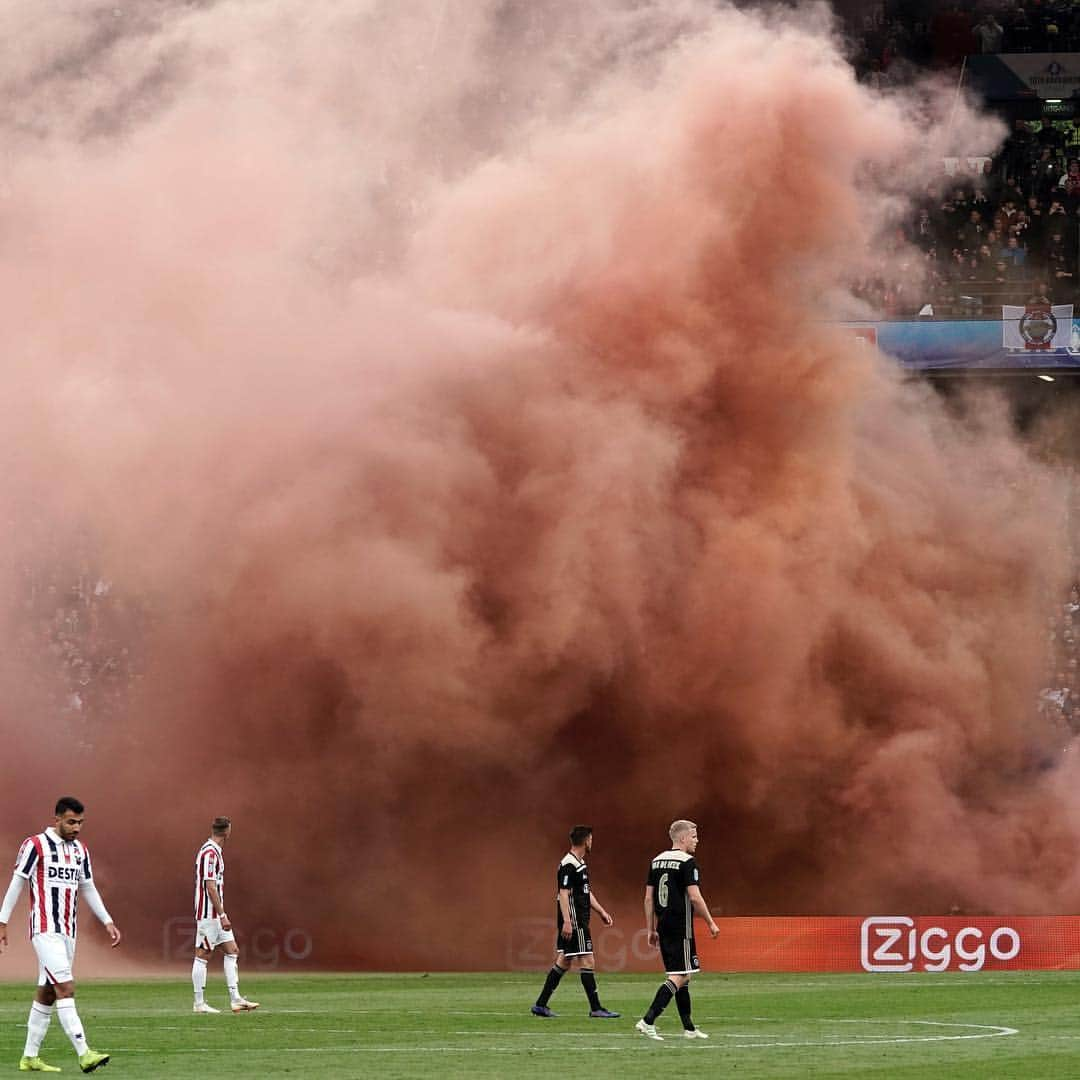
x=762 y=1026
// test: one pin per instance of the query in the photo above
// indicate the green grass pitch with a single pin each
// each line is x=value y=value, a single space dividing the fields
x=988 y=1025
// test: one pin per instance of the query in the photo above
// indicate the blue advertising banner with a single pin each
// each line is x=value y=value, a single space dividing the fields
x=976 y=344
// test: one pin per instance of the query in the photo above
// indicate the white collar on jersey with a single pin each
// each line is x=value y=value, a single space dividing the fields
x=52 y=834
x=214 y=844
x=674 y=853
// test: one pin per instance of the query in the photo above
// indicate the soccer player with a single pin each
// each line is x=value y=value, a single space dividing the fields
x=573 y=945
x=56 y=863
x=672 y=895
x=212 y=925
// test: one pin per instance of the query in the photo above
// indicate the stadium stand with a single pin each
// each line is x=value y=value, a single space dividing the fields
x=998 y=229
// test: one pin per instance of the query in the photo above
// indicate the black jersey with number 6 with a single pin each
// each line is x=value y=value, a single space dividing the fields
x=573 y=875
x=671 y=875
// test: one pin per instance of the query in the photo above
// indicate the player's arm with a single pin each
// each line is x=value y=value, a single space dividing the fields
x=11 y=898
x=564 y=906
x=697 y=902
x=650 y=915
x=219 y=907
x=89 y=893
x=598 y=908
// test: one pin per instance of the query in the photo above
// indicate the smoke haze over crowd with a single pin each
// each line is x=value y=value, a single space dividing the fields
x=449 y=384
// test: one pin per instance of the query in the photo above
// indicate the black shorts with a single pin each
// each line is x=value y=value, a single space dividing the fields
x=579 y=943
x=679 y=954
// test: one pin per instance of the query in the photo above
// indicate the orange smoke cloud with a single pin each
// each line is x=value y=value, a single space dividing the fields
x=446 y=396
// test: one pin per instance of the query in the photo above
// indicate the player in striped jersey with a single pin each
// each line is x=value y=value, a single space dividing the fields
x=56 y=864
x=574 y=900
x=212 y=925
x=672 y=896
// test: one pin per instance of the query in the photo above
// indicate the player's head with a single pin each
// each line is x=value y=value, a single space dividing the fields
x=220 y=828
x=683 y=835
x=581 y=836
x=69 y=817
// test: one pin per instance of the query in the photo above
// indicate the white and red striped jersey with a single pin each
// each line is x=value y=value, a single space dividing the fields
x=55 y=868
x=209 y=866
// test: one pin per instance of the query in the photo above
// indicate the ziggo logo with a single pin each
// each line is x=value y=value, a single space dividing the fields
x=892 y=943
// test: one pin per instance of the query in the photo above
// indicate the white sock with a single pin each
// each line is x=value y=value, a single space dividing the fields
x=36 y=1027
x=72 y=1025
x=232 y=975
x=198 y=979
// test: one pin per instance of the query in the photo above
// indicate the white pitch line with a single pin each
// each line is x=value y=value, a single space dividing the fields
x=984 y=1031
x=366 y=1050
x=276 y=1029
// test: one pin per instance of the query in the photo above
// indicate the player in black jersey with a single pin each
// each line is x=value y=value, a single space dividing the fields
x=672 y=896
x=573 y=944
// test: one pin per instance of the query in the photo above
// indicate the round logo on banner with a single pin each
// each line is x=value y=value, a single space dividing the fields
x=1038 y=327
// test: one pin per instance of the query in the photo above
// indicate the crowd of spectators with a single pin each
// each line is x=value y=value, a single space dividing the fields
x=993 y=230
x=990 y=231
x=891 y=39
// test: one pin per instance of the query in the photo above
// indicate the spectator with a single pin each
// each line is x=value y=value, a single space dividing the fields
x=1069 y=182
x=1045 y=173
x=1018 y=148
x=1049 y=138
x=923 y=232
x=1036 y=221
x=1072 y=134
x=1060 y=259
x=1057 y=209
x=1019 y=230
x=972 y=232
x=1014 y=253
x=1014 y=190
x=989 y=34
x=1019 y=32
x=1041 y=294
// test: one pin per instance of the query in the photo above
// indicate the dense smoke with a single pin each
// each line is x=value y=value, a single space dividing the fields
x=443 y=391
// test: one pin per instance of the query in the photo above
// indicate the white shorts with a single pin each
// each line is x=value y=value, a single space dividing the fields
x=56 y=956
x=208 y=934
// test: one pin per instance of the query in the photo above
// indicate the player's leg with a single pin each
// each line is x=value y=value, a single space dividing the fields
x=662 y=999
x=231 y=960
x=63 y=983
x=673 y=954
x=551 y=984
x=56 y=985
x=682 y=1003
x=554 y=977
x=37 y=1025
x=682 y=996
x=198 y=978
x=586 y=965
x=68 y=1015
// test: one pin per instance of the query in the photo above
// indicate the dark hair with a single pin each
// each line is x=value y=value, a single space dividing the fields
x=220 y=825
x=68 y=802
x=579 y=834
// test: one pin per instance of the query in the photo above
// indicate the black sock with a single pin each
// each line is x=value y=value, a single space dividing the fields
x=552 y=980
x=588 y=980
x=661 y=1001
x=682 y=1003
